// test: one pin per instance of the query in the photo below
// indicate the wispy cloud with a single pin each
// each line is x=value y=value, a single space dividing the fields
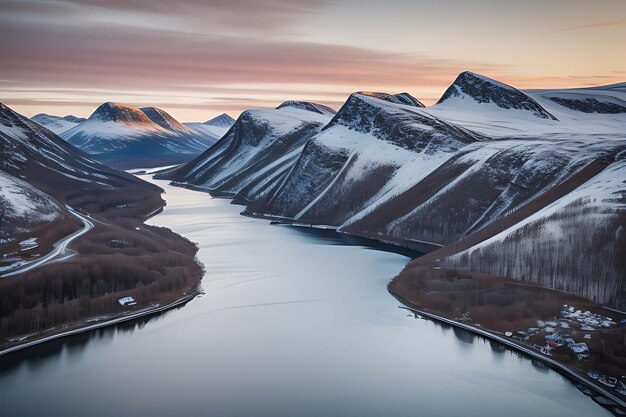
x=203 y=16
x=230 y=55
x=596 y=25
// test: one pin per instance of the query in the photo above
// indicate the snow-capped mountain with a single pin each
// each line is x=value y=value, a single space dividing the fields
x=223 y=120
x=213 y=129
x=57 y=124
x=126 y=136
x=371 y=147
x=603 y=100
x=472 y=91
x=305 y=105
x=256 y=152
x=40 y=173
x=483 y=173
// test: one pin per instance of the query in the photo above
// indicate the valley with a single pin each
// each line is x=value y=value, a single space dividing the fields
x=73 y=272
x=516 y=198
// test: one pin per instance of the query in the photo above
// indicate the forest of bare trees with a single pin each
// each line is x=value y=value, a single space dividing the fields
x=151 y=264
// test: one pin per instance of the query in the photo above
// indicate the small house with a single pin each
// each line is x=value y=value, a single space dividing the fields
x=127 y=301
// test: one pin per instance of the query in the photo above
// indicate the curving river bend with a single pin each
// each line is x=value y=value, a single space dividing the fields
x=294 y=323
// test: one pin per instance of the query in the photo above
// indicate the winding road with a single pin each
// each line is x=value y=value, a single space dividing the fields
x=59 y=247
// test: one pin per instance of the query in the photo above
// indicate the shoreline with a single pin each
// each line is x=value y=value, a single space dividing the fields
x=575 y=376
x=554 y=364
x=94 y=322
x=563 y=369
x=112 y=321
x=413 y=245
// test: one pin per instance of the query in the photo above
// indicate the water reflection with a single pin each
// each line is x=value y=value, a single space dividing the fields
x=73 y=345
x=332 y=237
x=468 y=338
x=463 y=335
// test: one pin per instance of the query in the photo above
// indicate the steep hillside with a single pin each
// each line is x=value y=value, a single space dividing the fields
x=479 y=185
x=577 y=243
x=255 y=153
x=371 y=148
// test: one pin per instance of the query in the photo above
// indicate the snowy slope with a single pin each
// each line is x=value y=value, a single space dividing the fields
x=261 y=143
x=577 y=243
x=57 y=124
x=22 y=207
x=314 y=107
x=473 y=91
x=126 y=136
x=21 y=201
x=40 y=173
x=163 y=119
x=372 y=147
x=483 y=183
x=223 y=120
x=500 y=118
x=211 y=134
x=212 y=130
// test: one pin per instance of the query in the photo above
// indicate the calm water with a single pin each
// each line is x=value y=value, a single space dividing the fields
x=293 y=323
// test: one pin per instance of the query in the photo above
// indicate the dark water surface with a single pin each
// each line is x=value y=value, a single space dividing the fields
x=293 y=323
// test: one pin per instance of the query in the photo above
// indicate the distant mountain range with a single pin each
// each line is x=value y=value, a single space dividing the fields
x=489 y=177
x=125 y=136
x=57 y=124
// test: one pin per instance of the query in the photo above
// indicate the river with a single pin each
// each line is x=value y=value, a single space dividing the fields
x=294 y=322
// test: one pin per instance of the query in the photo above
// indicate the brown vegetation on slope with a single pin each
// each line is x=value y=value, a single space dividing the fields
x=119 y=257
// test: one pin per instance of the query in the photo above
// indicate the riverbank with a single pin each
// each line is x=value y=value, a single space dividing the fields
x=115 y=255
x=86 y=326
x=546 y=324
x=599 y=393
x=513 y=307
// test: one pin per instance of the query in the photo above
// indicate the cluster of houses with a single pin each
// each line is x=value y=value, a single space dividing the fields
x=588 y=320
x=608 y=381
x=557 y=333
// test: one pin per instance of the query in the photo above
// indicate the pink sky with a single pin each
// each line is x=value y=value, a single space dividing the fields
x=199 y=58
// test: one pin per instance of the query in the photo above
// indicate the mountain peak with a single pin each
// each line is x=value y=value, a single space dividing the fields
x=223 y=120
x=118 y=112
x=57 y=124
x=50 y=117
x=400 y=98
x=308 y=106
x=483 y=90
x=9 y=118
x=73 y=119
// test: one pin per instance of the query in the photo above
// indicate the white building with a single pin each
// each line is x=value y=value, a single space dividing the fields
x=127 y=301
